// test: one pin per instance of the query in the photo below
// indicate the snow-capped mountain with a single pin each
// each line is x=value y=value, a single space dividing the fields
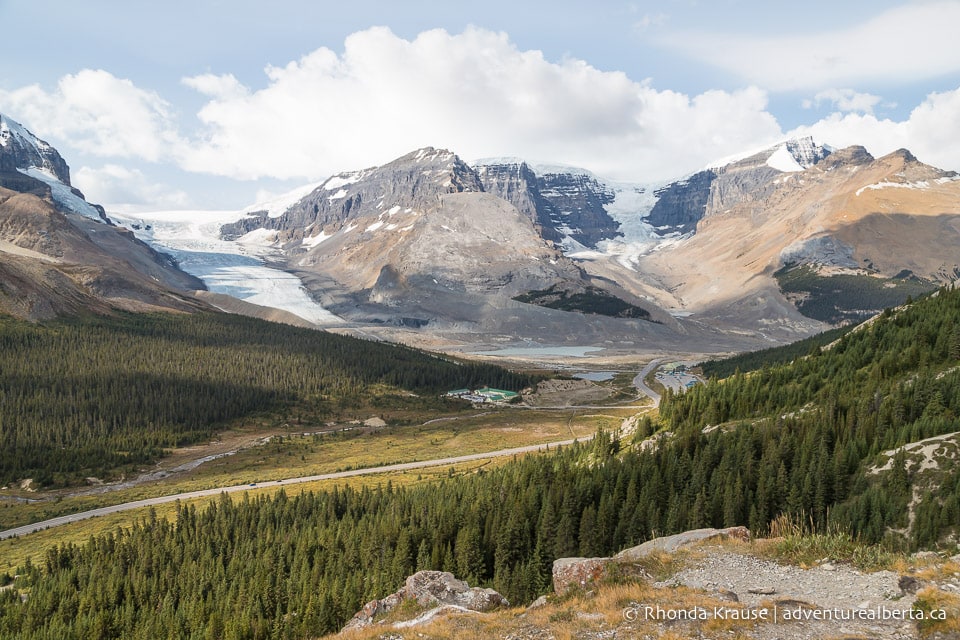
x=682 y=204
x=369 y=229
x=59 y=255
x=429 y=240
x=840 y=239
x=27 y=163
x=510 y=248
x=20 y=149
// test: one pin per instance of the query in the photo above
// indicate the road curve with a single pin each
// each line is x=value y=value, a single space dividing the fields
x=404 y=466
x=641 y=386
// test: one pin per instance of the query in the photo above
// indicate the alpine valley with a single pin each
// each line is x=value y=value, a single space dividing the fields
x=434 y=251
x=439 y=373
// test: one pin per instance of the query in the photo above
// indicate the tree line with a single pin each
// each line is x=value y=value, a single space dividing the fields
x=100 y=395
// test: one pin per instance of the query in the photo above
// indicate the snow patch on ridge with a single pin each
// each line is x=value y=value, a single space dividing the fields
x=923 y=184
x=341 y=180
x=11 y=129
x=783 y=160
x=62 y=194
x=276 y=207
x=313 y=241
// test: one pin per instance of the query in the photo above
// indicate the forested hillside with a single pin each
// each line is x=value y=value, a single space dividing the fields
x=752 y=360
x=794 y=438
x=797 y=437
x=87 y=396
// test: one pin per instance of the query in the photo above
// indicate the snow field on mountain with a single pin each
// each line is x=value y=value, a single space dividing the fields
x=234 y=268
x=62 y=194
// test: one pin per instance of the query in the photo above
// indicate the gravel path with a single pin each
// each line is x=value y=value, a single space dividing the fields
x=830 y=588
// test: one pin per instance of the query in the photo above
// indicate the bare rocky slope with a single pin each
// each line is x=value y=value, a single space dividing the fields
x=55 y=263
x=421 y=243
x=564 y=203
x=847 y=214
x=58 y=255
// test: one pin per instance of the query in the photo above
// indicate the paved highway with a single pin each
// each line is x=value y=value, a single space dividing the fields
x=126 y=506
x=641 y=386
x=405 y=466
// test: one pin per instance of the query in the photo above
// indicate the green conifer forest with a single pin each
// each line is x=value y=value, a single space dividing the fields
x=89 y=396
x=793 y=438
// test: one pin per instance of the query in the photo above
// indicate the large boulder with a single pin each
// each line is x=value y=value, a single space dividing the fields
x=572 y=573
x=670 y=544
x=435 y=588
x=431 y=589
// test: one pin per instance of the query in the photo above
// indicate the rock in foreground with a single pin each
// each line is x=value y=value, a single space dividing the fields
x=431 y=589
x=569 y=573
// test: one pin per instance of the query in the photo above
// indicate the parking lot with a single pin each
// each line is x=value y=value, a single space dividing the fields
x=679 y=381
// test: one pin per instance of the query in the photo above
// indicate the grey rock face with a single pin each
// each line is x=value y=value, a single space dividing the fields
x=669 y=544
x=741 y=182
x=430 y=589
x=853 y=155
x=564 y=204
x=571 y=573
x=825 y=250
x=434 y=588
x=682 y=204
x=415 y=181
x=20 y=149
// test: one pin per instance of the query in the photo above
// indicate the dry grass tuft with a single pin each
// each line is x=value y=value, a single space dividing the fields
x=936 y=604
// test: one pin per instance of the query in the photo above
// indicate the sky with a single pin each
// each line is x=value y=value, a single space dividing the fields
x=216 y=104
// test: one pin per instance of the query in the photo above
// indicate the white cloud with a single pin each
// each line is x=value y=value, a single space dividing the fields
x=651 y=20
x=935 y=120
x=844 y=100
x=474 y=93
x=225 y=86
x=98 y=112
x=912 y=42
x=126 y=189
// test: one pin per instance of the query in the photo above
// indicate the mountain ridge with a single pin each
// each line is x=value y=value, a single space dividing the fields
x=60 y=253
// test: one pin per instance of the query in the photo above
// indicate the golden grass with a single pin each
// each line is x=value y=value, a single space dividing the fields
x=929 y=569
x=935 y=604
x=601 y=610
x=792 y=541
x=297 y=455
x=15 y=551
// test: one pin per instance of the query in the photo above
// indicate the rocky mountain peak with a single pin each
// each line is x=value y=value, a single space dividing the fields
x=411 y=184
x=904 y=155
x=806 y=151
x=682 y=204
x=567 y=204
x=20 y=149
x=848 y=156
